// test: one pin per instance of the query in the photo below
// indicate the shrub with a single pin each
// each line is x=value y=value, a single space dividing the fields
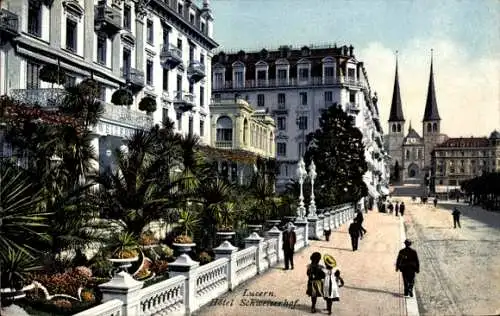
x=204 y=258
x=122 y=97
x=183 y=239
x=88 y=296
x=159 y=267
x=62 y=283
x=82 y=272
x=147 y=104
x=148 y=238
x=167 y=252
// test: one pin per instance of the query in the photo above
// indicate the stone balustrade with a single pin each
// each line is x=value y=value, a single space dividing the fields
x=191 y=286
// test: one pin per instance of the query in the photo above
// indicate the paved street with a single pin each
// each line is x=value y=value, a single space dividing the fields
x=372 y=287
x=460 y=268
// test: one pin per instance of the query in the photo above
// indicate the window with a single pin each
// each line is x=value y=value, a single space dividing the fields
x=166 y=34
x=70 y=81
x=191 y=53
x=328 y=97
x=281 y=149
x=102 y=92
x=165 y=79
x=224 y=132
x=281 y=100
x=32 y=79
x=191 y=18
x=217 y=97
x=179 y=120
x=149 y=72
x=190 y=126
x=303 y=98
x=202 y=26
x=407 y=154
x=202 y=128
x=260 y=100
x=352 y=97
x=281 y=123
x=179 y=82
x=261 y=75
x=351 y=74
x=126 y=62
x=180 y=8
x=301 y=149
x=218 y=84
x=191 y=88
x=303 y=74
x=179 y=44
x=202 y=59
x=282 y=74
x=101 y=50
x=238 y=78
x=34 y=19
x=302 y=122
x=71 y=35
x=127 y=18
x=328 y=71
x=202 y=96
x=150 y=32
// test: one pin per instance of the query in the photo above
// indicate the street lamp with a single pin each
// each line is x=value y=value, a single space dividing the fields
x=301 y=174
x=312 y=176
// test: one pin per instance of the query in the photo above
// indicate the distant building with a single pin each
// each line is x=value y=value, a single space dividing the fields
x=295 y=85
x=411 y=154
x=459 y=159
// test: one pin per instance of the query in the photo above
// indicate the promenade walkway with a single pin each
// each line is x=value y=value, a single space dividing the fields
x=372 y=287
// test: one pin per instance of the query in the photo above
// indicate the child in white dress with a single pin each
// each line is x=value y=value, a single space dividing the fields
x=333 y=281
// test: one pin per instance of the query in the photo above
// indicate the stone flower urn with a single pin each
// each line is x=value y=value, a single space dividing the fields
x=255 y=228
x=225 y=235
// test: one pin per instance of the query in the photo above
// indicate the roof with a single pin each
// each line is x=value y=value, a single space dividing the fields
x=472 y=142
x=412 y=133
x=495 y=135
x=431 y=112
x=292 y=56
x=396 y=106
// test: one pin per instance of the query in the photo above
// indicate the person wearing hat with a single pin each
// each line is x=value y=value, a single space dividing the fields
x=407 y=262
x=289 y=239
x=316 y=276
x=333 y=281
x=354 y=232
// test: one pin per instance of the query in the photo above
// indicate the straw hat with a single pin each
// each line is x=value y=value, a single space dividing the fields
x=329 y=261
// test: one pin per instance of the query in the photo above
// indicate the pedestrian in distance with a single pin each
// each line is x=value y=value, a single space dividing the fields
x=435 y=201
x=402 y=208
x=407 y=262
x=327 y=233
x=359 y=220
x=289 y=239
x=315 y=279
x=354 y=233
x=396 y=208
x=332 y=282
x=456 y=218
x=390 y=207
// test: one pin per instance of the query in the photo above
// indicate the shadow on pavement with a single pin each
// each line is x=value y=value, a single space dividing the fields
x=336 y=248
x=371 y=290
x=489 y=218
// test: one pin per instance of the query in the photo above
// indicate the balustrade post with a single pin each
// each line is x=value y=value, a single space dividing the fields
x=186 y=267
x=326 y=220
x=278 y=235
x=227 y=250
x=301 y=222
x=255 y=240
x=321 y=225
x=312 y=228
x=125 y=288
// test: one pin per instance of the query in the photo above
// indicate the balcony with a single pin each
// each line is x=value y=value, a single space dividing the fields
x=196 y=71
x=134 y=78
x=107 y=19
x=45 y=98
x=123 y=115
x=184 y=101
x=291 y=82
x=226 y=144
x=9 y=24
x=282 y=109
x=352 y=108
x=170 y=56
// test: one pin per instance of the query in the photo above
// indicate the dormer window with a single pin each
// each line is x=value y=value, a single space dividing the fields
x=303 y=74
x=351 y=73
x=238 y=79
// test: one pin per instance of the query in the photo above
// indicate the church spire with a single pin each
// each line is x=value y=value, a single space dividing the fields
x=431 y=110
x=396 y=114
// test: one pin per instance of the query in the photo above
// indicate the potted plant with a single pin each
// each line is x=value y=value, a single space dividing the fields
x=122 y=97
x=147 y=104
x=148 y=239
x=124 y=249
x=187 y=223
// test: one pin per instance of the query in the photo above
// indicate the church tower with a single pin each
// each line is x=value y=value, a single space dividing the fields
x=395 y=134
x=431 y=123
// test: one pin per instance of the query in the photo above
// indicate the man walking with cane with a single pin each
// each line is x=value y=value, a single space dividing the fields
x=407 y=262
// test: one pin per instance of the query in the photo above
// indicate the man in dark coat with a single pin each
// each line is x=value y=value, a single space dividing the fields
x=354 y=232
x=396 y=208
x=435 y=201
x=456 y=218
x=407 y=262
x=402 y=209
x=359 y=220
x=289 y=239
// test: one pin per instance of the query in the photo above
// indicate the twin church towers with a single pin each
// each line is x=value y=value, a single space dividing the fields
x=410 y=152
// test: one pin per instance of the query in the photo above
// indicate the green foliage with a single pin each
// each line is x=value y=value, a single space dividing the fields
x=122 y=97
x=123 y=245
x=16 y=265
x=147 y=104
x=188 y=221
x=338 y=152
x=204 y=258
x=53 y=74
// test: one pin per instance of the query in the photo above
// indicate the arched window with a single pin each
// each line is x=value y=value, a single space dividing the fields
x=245 y=132
x=399 y=128
x=434 y=127
x=429 y=127
x=394 y=128
x=407 y=154
x=224 y=129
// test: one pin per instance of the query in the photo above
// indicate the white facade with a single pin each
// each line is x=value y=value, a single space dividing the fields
x=156 y=48
x=295 y=85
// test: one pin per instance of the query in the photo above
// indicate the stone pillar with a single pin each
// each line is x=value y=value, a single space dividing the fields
x=312 y=227
x=139 y=41
x=123 y=287
x=186 y=267
x=302 y=222
x=327 y=224
x=321 y=225
x=88 y=31
x=255 y=240
x=55 y=24
x=227 y=250
x=117 y=54
x=278 y=235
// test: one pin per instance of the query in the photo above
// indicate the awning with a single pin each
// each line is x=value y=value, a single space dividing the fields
x=384 y=191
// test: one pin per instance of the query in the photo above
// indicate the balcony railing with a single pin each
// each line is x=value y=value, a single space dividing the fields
x=48 y=97
x=292 y=82
x=124 y=115
x=223 y=144
x=182 y=96
x=108 y=19
x=9 y=22
x=352 y=108
x=196 y=71
x=134 y=77
x=170 y=56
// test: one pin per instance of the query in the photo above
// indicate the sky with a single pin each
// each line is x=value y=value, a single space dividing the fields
x=464 y=36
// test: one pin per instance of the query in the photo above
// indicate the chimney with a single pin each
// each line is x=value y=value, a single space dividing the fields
x=351 y=49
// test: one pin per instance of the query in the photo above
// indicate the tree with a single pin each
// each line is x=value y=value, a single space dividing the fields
x=338 y=152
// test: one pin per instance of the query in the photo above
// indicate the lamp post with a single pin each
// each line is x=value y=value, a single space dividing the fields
x=312 y=176
x=301 y=174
